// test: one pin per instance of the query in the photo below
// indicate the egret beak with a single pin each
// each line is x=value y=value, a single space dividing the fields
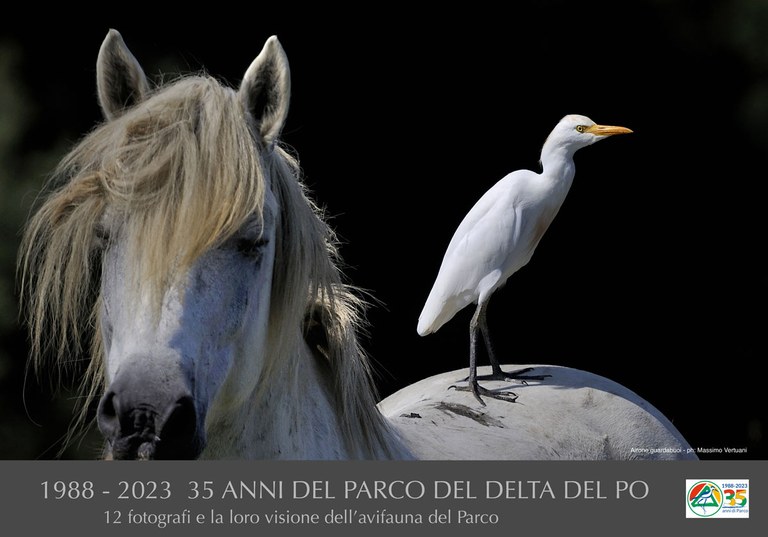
x=607 y=130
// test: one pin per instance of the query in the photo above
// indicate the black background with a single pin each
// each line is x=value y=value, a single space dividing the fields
x=653 y=273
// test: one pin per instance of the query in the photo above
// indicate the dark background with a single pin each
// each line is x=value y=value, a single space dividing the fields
x=653 y=274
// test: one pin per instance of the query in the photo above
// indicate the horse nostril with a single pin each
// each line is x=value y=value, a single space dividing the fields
x=179 y=429
x=107 y=415
x=180 y=421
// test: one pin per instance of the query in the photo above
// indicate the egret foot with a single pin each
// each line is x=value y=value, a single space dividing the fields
x=477 y=391
x=512 y=375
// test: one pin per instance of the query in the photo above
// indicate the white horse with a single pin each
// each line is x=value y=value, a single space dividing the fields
x=178 y=239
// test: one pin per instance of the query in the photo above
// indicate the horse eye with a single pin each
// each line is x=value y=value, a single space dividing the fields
x=250 y=247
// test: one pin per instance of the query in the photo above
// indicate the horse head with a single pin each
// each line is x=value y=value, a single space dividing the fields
x=162 y=222
x=170 y=348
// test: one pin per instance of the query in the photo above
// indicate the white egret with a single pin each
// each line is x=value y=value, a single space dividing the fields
x=498 y=237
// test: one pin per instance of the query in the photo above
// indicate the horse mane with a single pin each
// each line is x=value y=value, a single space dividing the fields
x=177 y=174
x=308 y=283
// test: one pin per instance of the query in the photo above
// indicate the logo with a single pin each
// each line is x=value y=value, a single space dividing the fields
x=705 y=498
x=717 y=498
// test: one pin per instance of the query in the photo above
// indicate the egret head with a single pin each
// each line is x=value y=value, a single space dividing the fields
x=575 y=131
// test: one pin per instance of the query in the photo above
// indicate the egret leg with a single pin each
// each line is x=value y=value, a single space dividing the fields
x=497 y=372
x=480 y=322
x=483 y=322
x=473 y=385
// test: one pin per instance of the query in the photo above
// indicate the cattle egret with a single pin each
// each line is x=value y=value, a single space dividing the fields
x=498 y=237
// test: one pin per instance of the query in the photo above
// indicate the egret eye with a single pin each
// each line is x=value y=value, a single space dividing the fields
x=581 y=128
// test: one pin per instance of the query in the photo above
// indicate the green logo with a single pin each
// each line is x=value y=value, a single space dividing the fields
x=704 y=498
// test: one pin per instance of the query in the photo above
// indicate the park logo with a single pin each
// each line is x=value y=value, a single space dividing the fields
x=717 y=498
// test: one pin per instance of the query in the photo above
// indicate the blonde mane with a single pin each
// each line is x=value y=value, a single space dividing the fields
x=176 y=175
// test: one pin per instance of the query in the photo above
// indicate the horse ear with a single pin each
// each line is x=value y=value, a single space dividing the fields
x=266 y=90
x=120 y=80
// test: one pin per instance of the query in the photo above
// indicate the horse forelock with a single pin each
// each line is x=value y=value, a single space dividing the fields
x=188 y=175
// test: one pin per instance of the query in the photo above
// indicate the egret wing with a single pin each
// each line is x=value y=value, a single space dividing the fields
x=475 y=259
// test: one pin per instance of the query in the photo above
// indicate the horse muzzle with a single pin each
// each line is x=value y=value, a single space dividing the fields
x=150 y=418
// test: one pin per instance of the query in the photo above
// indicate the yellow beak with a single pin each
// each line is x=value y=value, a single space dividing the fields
x=607 y=130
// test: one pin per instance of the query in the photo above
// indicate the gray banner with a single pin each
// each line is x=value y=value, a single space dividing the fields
x=347 y=498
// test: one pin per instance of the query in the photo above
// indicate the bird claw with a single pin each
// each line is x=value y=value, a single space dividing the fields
x=500 y=375
x=512 y=375
x=477 y=391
